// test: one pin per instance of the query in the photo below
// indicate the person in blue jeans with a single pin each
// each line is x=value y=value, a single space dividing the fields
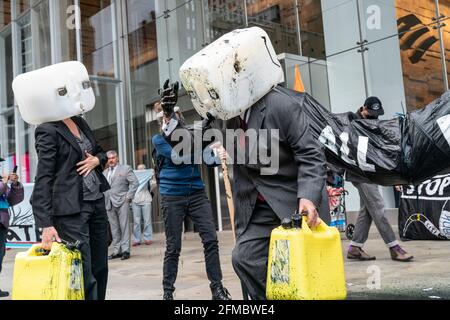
x=142 y=210
x=183 y=194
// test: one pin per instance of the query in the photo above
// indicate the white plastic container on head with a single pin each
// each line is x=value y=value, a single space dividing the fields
x=54 y=93
x=230 y=75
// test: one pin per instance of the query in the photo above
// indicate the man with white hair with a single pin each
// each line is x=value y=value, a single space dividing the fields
x=124 y=185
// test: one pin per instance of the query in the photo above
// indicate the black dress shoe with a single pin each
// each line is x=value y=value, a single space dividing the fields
x=220 y=293
x=125 y=256
x=115 y=256
x=168 y=295
x=4 y=294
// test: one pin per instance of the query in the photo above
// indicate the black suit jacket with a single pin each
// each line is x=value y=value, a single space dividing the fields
x=58 y=189
x=302 y=168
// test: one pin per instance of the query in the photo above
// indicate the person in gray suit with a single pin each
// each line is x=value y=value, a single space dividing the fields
x=124 y=185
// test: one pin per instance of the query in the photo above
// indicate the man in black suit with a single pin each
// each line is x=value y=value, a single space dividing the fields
x=68 y=201
x=265 y=193
x=262 y=201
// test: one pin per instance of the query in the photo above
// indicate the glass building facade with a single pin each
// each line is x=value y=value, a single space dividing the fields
x=346 y=49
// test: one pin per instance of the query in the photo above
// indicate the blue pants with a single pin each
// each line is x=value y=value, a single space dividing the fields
x=144 y=212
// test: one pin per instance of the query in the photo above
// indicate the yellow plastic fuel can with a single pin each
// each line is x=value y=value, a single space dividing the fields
x=304 y=263
x=57 y=275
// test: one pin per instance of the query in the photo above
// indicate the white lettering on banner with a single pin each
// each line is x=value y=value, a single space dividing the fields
x=363 y=145
x=429 y=190
x=328 y=139
x=345 y=150
x=445 y=183
x=444 y=125
x=374 y=20
x=444 y=223
x=432 y=189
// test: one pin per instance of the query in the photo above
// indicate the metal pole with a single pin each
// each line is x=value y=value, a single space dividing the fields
x=299 y=30
x=16 y=49
x=441 y=42
x=245 y=13
x=363 y=48
x=55 y=24
x=78 y=31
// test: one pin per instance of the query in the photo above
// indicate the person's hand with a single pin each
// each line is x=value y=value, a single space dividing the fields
x=169 y=98
x=5 y=179
x=220 y=150
x=87 y=165
x=49 y=235
x=307 y=208
x=14 y=178
x=399 y=188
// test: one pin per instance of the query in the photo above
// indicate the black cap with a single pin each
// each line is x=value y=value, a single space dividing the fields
x=374 y=107
x=1 y=159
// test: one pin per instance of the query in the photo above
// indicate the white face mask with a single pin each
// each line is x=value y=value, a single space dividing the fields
x=230 y=75
x=54 y=93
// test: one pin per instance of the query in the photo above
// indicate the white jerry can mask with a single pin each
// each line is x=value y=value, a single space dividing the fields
x=54 y=93
x=230 y=75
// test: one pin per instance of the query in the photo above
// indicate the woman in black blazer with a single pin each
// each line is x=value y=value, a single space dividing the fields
x=68 y=201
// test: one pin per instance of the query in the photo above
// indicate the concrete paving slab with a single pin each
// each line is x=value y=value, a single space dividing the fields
x=140 y=278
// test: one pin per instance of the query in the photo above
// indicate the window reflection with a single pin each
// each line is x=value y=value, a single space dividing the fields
x=5 y=13
x=420 y=52
x=97 y=37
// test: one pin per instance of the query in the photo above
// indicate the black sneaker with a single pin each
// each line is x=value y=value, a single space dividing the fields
x=220 y=293
x=168 y=295
x=125 y=256
x=115 y=256
x=4 y=294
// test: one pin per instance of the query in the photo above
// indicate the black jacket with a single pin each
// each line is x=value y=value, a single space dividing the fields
x=302 y=168
x=58 y=189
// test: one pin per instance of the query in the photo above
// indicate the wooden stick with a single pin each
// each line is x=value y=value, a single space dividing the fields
x=229 y=193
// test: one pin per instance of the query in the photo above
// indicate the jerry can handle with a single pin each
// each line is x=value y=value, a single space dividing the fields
x=72 y=246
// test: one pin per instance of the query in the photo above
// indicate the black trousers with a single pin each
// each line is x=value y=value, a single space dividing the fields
x=251 y=253
x=3 y=232
x=198 y=208
x=90 y=227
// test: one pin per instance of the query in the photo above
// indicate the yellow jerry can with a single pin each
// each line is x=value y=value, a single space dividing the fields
x=39 y=275
x=305 y=264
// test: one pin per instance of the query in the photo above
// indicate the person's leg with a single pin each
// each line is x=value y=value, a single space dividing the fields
x=76 y=228
x=375 y=207
x=124 y=221
x=137 y=214
x=363 y=222
x=174 y=211
x=113 y=219
x=147 y=215
x=3 y=232
x=201 y=214
x=250 y=255
x=99 y=247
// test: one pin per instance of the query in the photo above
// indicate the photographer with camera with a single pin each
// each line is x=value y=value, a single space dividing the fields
x=11 y=194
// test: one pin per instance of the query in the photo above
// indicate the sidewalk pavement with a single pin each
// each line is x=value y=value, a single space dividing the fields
x=140 y=278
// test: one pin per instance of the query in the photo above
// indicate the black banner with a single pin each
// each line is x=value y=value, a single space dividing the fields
x=425 y=210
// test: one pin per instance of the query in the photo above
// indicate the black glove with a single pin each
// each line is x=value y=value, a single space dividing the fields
x=169 y=97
